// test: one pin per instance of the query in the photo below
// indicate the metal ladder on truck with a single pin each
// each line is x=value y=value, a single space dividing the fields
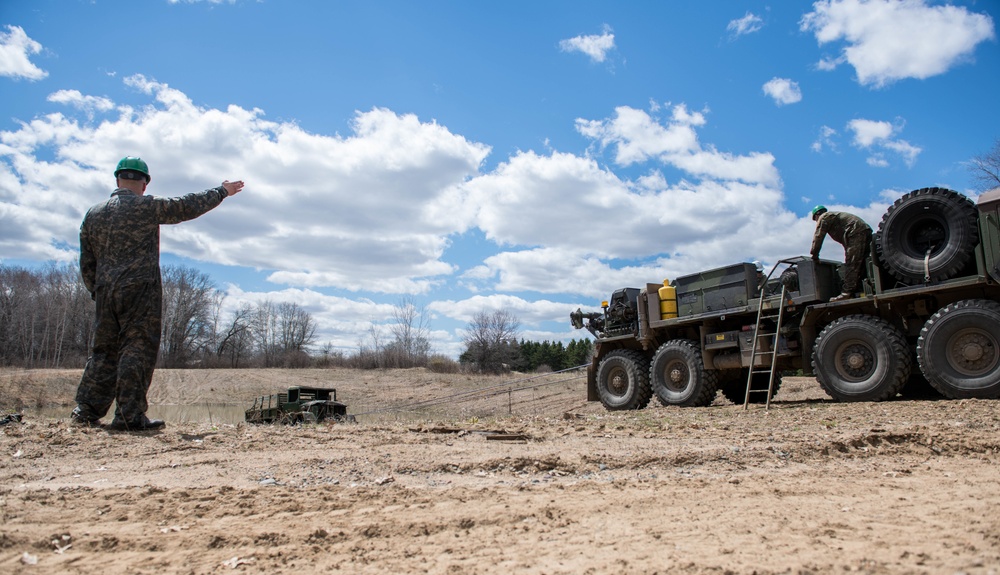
x=772 y=355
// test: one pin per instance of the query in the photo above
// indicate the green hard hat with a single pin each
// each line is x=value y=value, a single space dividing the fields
x=817 y=211
x=132 y=164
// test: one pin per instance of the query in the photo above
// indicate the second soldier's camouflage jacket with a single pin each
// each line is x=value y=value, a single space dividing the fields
x=120 y=238
x=842 y=227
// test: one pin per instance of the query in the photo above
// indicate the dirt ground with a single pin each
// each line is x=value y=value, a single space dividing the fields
x=471 y=479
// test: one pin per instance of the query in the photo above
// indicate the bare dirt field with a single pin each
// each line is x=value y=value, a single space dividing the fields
x=471 y=479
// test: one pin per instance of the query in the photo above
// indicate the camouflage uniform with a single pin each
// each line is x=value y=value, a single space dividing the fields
x=851 y=232
x=120 y=264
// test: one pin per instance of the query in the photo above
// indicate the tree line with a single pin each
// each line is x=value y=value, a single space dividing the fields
x=47 y=317
x=47 y=321
x=492 y=346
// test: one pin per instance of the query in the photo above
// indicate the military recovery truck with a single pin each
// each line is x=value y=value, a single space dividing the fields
x=297 y=405
x=929 y=313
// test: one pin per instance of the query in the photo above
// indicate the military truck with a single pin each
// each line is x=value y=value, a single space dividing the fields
x=297 y=405
x=929 y=314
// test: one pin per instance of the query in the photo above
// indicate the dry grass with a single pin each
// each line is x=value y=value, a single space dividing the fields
x=415 y=394
x=405 y=394
x=37 y=388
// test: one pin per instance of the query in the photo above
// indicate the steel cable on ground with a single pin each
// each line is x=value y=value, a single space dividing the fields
x=490 y=391
x=481 y=393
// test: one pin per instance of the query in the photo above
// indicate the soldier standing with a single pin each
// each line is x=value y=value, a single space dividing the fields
x=849 y=231
x=120 y=264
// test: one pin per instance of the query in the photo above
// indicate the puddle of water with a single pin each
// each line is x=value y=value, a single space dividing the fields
x=217 y=414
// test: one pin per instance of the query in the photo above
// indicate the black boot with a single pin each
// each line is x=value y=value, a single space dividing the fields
x=84 y=417
x=143 y=423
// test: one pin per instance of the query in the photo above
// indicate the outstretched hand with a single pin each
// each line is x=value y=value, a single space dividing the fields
x=233 y=188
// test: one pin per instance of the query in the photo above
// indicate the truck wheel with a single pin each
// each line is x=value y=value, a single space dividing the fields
x=935 y=219
x=861 y=358
x=959 y=349
x=679 y=376
x=735 y=388
x=622 y=380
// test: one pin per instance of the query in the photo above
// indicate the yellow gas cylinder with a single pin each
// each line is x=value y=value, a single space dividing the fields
x=668 y=300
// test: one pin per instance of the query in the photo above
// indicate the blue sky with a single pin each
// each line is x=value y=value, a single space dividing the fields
x=469 y=156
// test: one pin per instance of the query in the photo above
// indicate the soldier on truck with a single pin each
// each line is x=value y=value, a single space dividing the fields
x=849 y=231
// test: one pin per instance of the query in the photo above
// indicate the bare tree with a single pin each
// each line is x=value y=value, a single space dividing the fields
x=410 y=346
x=985 y=168
x=66 y=314
x=237 y=342
x=329 y=356
x=46 y=316
x=264 y=330
x=80 y=330
x=188 y=298
x=10 y=296
x=370 y=355
x=297 y=331
x=491 y=340
x=19 y=287
x=281 y=333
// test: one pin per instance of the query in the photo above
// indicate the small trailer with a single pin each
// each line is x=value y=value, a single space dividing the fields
x=297 y=405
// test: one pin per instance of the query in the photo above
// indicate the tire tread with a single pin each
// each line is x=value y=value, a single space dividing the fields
x=886 y=332
x=962 y=219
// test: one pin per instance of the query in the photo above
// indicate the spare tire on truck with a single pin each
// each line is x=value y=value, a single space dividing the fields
x=927 y=235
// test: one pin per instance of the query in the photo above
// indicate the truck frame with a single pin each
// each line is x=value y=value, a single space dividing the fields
x=298 y=404
x=929 y=314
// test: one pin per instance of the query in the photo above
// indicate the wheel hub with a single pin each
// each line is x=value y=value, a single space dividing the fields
x=856 y=362
x=618 y=381
x=676 y=375
x=973 y=353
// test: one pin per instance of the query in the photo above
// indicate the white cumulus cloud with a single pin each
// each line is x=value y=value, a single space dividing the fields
x=637 y=137
x=783 y=91
x=878 y=138
x=596 y=46
x=568 y=225
x=318 y=210
x=15 y=49
x=825 y=140
x=748 y=24
x=889 y=40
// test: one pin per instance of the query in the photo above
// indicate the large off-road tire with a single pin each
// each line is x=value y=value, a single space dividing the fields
x=959 y=349
x=861 y=358
x=679 y=377
x=623 y=380
x=935 y=219
x=735 y=388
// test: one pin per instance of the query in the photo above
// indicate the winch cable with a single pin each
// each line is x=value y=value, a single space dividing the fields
x=483 y=392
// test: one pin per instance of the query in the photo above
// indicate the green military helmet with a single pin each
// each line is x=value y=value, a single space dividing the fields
x=131 y=164
x=817 y=211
